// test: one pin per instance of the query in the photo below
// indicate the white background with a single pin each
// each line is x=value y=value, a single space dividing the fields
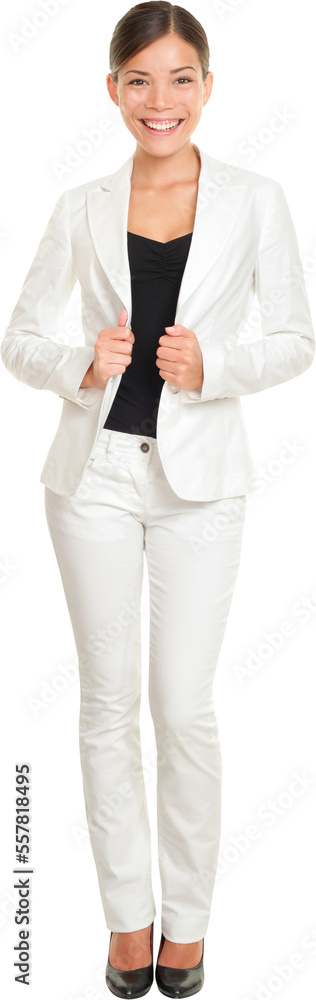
x=53 y=89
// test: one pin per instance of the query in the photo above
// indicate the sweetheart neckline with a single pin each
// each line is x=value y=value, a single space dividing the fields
x=160 y=241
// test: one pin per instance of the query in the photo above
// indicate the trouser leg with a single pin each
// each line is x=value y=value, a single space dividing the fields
x=99 y=549
x=192 y=568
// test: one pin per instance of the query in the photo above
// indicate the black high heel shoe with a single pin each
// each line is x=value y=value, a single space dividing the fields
x=131 y=983
x=179 y=982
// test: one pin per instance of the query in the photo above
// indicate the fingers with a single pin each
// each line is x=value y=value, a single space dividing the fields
x=115 y=343
x=115 y=333
x=110 y=334
x=123 y=317
x=122 y=322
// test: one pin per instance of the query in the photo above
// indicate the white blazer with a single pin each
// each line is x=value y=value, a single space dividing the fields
x=243 y=243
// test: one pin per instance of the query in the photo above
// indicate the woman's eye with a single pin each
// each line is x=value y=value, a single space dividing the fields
x=181 y=79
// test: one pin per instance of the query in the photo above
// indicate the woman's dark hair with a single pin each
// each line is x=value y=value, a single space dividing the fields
x=147 y=22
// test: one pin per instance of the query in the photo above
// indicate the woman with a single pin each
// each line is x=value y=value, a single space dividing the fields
x=151 y=454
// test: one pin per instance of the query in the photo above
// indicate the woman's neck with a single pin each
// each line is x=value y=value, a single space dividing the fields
x=162 y=172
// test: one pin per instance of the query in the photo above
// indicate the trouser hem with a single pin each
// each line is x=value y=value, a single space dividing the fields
x=183 y=935
x=123 y=927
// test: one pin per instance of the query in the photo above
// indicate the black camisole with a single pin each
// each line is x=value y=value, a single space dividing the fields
x=156 y=274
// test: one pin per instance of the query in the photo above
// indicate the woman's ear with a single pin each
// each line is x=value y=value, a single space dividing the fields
x=208 y=87
x=112 y=89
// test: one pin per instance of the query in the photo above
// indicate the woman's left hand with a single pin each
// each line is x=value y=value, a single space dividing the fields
x=180 y=359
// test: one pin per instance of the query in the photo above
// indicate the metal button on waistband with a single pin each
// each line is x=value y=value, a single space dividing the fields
x=144 y=446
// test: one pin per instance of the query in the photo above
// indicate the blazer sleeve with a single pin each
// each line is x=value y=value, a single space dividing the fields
x=287 y=345
x=30 y=349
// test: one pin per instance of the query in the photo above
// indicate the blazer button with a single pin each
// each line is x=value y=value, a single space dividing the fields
x=144 y=446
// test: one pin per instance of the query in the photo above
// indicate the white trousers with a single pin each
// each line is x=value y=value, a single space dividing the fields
x=123 y=507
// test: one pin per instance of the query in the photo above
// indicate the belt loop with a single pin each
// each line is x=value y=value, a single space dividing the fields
x=104 y=439
x=109 y=443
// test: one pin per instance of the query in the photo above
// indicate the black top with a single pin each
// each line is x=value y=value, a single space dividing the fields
x=156 y=274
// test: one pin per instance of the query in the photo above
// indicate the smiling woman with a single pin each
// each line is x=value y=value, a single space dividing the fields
x=160 y=80
x=143 y=26
x=152 y=458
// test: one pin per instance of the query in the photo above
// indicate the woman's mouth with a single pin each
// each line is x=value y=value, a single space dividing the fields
x=161 y=126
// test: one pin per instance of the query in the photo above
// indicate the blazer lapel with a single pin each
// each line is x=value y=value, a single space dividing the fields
x=107 y=215
x=218 y=206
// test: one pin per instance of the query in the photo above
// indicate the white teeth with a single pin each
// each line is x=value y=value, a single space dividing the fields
x=159 y=127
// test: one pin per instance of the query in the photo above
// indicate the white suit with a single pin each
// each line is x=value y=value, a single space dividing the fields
x=243 y=242
x=180 y=497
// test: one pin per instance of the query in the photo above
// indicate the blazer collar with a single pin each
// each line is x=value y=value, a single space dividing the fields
x=218 y=206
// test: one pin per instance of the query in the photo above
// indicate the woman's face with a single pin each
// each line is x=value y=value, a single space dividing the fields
x=163 y=84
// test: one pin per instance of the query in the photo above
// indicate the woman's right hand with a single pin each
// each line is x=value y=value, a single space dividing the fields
x=112 y=353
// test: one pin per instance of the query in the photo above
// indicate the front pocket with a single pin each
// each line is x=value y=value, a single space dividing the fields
x=112 y=466
x=117 y=466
